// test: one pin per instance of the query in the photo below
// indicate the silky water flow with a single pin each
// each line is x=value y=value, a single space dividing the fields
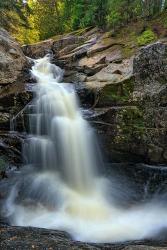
x=60 y=186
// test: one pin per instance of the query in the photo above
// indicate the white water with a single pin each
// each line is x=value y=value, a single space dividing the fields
x=59 y=187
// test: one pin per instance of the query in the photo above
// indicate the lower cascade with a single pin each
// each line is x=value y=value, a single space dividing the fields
x=60 y=186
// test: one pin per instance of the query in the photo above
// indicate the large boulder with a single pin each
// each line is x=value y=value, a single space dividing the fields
x=150 y=69
x=12 y=59
x=135 y=120
x=111 y=75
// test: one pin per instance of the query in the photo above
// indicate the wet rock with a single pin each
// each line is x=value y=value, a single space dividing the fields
x=35 y=238
x=38 y=50
x=10 y=153
x=12 y=59
x=118 y=129
x=13 y=99
x=10 y=147
x=4 y=120
x=86 y=96
x=155 y=153
x=142 y=247
x=165 y=155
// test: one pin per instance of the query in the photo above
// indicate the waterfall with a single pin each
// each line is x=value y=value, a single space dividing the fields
x=62 y=141
x=60 y=186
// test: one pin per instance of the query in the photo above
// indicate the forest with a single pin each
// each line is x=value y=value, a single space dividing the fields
x=35 y=20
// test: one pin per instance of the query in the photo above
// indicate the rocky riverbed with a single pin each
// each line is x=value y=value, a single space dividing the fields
x=34 y=238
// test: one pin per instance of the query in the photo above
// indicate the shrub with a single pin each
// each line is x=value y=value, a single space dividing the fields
x=146 y=37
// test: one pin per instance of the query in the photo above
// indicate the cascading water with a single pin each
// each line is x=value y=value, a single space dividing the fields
x=63 y=139
x=60 y=187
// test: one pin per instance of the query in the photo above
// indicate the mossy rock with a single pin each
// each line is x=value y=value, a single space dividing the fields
x=118 y=93
x=130 y=124
x=3 y=164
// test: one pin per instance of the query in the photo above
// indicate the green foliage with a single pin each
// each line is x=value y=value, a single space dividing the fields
x=114 y=18
x=45 y=20
x=122 y=11
x=11 y=14
x=81 y=13
x=146 y=37
x=35 y=20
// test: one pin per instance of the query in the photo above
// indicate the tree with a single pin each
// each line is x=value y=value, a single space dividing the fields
x=11 y=12
x=122 y=11
x=152 y=7
x=48 y=18
x=45 y=21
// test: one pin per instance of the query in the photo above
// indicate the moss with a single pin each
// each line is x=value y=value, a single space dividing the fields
x=133 y=117
x=146 y=37
x=128 y=51
x=132 y=124
x=2 y=164
x=57 y=37
x=117 y=93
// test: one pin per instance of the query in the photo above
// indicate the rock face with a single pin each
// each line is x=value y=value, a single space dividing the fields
x=14 y=95
x=14 y=72
x=34 y=238
x=136 y=122
x=13 y=99
x=12 y=59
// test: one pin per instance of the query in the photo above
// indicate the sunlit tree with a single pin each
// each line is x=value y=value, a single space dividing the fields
x=12 y=13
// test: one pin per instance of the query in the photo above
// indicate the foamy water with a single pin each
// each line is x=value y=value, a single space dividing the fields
x=60 y=186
